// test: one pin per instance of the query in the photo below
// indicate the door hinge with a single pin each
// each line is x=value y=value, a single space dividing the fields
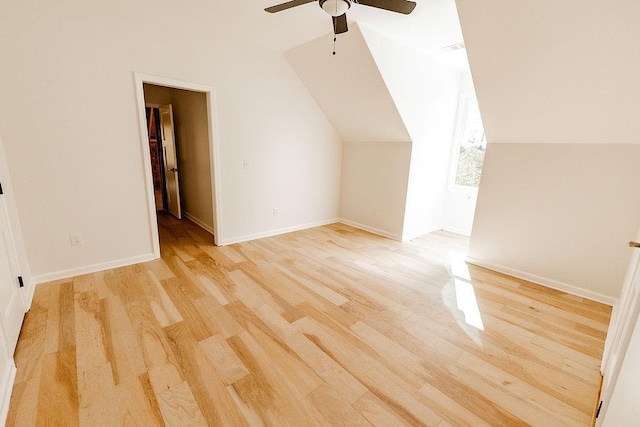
x=20 y=282
x=1 y=192
x=599 y=407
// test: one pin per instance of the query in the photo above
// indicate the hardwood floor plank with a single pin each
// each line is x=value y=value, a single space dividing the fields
x=58 y=392
x=376 y=412
x=23 y=407
x=208 y=388
x=224 y=360
x=138 y=403
x=97 y=396
x=122 y=349
x=163 y=308
x=91 y=342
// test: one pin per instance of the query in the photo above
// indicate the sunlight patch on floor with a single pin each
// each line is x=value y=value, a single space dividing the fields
x=465 y=294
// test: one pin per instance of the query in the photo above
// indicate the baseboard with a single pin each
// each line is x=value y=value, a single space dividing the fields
x=31 y=290
x=373 y=230
x=420 y=233
x=545 y=281
x=78 y=271
x=6 y=387
x=456 y=230
x=199 y=223
x=276 y=232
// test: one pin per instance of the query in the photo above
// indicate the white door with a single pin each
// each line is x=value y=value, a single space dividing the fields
x=170 y=161
x=11 y=305
x=623 y=320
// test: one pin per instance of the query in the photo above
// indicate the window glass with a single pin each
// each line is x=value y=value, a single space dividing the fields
x=471 y=145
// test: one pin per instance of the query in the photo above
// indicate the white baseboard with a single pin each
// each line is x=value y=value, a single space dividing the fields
x=6 y=386
x=373 y=230
x=420 y=233
x=199 y=223
x=31 y=288
x=456 y=230
x=78 y=271
x=545 y=281
x=276 y=232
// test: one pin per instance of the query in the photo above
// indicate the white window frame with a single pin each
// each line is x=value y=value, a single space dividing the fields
x=461 y=118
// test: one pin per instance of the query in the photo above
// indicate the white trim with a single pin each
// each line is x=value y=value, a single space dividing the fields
x=278 y=231
x=93 y=268
x=546 y=282
x=6 y=386
x=196 y=221
x=30 y=290
x=371 y=229
x=146 y=160
x=457 y=230
x=209 y=91
x=420 y=233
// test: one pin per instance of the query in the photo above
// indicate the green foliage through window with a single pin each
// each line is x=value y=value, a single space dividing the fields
x=472 y=145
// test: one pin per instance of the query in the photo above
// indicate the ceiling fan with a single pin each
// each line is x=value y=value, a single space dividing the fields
x=338 y=9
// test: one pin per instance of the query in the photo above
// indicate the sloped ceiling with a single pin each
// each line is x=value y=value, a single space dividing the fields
x=348 y=87
x=555 y=71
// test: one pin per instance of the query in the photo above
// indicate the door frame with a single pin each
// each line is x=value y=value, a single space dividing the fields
x=214 y=156
x=621 y=327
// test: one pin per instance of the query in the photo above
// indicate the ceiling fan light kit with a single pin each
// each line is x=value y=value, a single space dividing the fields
x=335 y=7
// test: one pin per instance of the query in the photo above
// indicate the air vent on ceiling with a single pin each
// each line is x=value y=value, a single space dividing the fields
x=456 y=46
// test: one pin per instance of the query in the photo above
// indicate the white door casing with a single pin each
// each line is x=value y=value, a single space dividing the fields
x=623 y=319
x=11 y=303
x=170 y=156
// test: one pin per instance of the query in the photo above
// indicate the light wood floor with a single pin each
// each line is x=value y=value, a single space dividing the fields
x=328 y=326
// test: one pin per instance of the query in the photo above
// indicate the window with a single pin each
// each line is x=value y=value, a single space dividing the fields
x=470 y=145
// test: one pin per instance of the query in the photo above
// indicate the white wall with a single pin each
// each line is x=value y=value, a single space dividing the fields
x=191 y=125
x=374 y=186
x=561 y=212
x=349 y=88
x=549 y=71
x=69 y=119
x=426 y=93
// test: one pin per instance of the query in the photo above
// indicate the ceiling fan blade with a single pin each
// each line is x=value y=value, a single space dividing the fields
x=400 y=6
x=287 y=5
x=340 y=24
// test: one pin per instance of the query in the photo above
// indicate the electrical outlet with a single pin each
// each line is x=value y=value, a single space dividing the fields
x=76 y=239
x=275 y=211
x=245 y=164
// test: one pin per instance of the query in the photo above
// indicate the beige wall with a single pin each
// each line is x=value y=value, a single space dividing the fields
x=374 y=186
x=349 y=88
x=194 y=158
x=69 y=120
x=549 y=71
x=561 y=213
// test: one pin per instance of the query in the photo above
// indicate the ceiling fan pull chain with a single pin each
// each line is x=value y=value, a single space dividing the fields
x=334 y=44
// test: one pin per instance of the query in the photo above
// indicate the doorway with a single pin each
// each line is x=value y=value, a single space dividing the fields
x=183 y=181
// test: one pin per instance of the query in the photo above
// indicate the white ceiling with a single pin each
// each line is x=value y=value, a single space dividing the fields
x=432 y=25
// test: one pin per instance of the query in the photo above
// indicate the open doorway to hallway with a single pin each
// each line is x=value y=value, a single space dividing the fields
x=178 y=129
x=179 y=150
